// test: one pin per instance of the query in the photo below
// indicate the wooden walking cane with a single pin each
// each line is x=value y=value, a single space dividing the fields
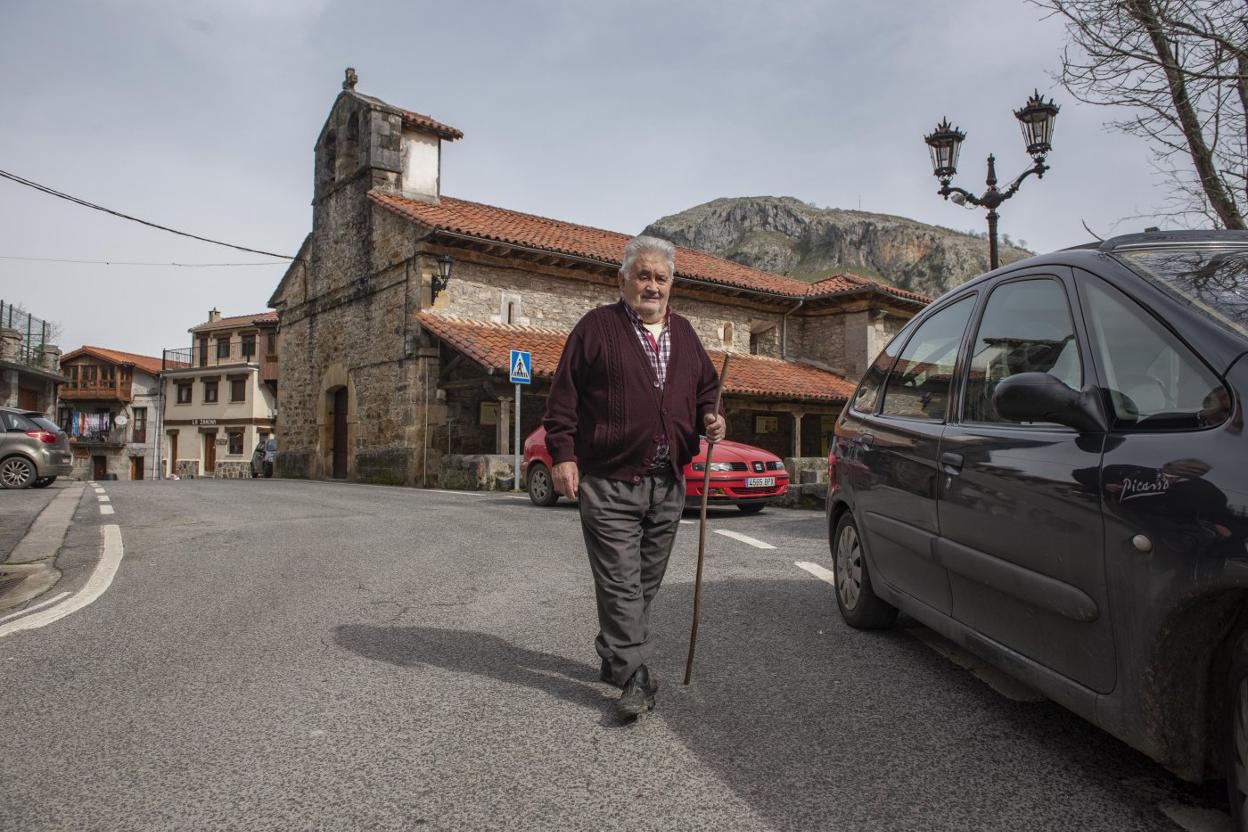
x=706 y=488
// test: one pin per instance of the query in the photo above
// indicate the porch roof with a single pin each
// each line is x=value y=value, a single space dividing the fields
x=490 y=345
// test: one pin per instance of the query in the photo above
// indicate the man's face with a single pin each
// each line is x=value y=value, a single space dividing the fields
x=646 y=286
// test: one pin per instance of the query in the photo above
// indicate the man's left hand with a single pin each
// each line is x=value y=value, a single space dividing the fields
x=715 y=427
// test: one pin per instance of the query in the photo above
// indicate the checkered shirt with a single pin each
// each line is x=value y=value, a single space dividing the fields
x=659 y=351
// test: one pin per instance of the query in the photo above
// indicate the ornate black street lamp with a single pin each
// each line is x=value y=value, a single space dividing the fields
x=441 y=279
x=945 y=141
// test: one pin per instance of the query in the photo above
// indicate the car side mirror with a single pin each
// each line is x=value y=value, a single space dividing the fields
x=1040 y=397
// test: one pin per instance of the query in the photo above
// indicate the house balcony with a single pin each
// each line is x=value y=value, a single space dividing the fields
x=114 y=391
x=268 y=368
x=115 y=437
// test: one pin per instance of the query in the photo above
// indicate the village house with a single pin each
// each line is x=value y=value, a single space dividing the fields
x=107 y=407
x=220 y=396
x=398 y=314
x=29 y=365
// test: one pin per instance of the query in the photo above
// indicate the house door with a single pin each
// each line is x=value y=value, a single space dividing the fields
x=210 y=453
x=340 y=433
x=99 y=467
x=173 y=454
x=136 y=467
x=27 y=399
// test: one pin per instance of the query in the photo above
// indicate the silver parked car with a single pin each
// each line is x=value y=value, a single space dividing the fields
x=33 y=450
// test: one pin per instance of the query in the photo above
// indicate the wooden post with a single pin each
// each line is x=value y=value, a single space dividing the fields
x=797 y=433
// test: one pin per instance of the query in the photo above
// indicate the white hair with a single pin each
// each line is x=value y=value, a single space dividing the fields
x=638 y=245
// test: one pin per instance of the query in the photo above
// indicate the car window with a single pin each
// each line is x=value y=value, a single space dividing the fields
x=918 y=387
x=1026 y=328
x=1211 y=279
x=18 y=422
x=1153 y=381
x=869 y=388
x=46 y=424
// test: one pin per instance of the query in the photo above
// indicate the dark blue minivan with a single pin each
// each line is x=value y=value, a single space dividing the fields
x=1049 y=466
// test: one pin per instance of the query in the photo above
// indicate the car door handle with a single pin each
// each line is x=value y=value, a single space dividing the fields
x=865 y=440
x=951 y=463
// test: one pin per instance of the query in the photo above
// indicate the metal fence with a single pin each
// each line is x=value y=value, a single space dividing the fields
x=175 y=358
x=34 y=331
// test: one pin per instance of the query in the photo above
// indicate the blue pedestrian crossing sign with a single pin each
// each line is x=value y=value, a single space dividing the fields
x=521 y=367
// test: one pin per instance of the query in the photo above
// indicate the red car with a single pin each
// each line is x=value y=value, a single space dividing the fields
x=741 y=475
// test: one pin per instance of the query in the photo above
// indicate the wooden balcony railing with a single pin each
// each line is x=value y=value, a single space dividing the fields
x=268 y=368
x=117 y=391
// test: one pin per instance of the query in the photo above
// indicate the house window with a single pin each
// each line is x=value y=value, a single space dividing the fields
x=203 y=350
x=184 y=393
x=223 y=347
x=139 y=432
x=754 y=342
x=271 y=338
x=238 y=389
x=249 y=345
x=236 y=442
x=210 y=392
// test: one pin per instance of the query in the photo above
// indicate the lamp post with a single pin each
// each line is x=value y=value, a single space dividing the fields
x=440 y=280
x=1036 y=119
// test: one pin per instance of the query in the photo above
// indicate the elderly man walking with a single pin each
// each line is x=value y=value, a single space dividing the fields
x=633 y=390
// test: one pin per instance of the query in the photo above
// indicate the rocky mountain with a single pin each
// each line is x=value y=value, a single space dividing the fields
x=787 y=236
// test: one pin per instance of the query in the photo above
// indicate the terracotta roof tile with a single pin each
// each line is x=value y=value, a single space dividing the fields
x=838 y=284
x=146 y=363
x=490 y=223
x=423 y=122
x=269 y=317
x=490 y=345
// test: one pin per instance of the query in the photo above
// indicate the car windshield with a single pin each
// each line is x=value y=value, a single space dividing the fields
x=46 y=424
x=1212 y=280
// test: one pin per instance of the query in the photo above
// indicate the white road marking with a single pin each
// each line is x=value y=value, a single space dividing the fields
x=98 y=490
x=111 y=553
x=106 y=509
x=817 y=570
x=461 y=493
x=1199 y=820
x=104 y=499
x=745 y=538
x=33 y=607
x=687 y=522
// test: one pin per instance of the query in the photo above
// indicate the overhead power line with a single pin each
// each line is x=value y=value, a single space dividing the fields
x=53 y=192
x=132 y=263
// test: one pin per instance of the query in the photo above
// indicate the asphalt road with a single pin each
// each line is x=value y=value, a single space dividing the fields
x=289 y=655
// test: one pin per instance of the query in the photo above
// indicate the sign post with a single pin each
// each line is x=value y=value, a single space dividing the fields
x=521 y=365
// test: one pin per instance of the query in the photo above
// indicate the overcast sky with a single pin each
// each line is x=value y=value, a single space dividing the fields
x=202 y=116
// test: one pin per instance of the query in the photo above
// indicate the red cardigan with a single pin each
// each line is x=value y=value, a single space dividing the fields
x=605 y=407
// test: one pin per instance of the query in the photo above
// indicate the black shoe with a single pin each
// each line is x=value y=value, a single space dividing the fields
x=638 y=695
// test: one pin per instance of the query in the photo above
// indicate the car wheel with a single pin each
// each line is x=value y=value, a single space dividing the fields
x=859 y=605
x=750 y=508
x=1235 y=731
x=43 y=482
x=541 y=489
x=17 y=472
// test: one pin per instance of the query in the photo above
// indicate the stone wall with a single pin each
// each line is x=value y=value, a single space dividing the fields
x=355 y=329
x=482 y=291
x=188 y=469
x=477 y=472
x=232 y=469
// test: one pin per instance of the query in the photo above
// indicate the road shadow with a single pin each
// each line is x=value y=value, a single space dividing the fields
x=818 y=726
x=481 y=654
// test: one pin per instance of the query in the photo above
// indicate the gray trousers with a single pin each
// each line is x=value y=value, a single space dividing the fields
x=629 y=530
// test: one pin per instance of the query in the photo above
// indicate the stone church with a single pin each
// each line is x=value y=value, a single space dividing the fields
x=392 y=373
